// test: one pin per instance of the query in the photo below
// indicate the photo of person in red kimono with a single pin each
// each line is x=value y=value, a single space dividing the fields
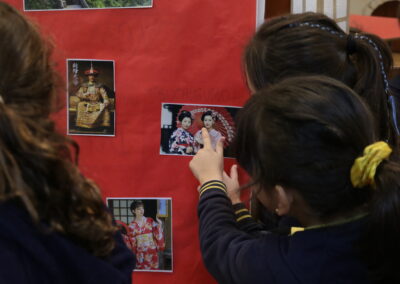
x=146 y=237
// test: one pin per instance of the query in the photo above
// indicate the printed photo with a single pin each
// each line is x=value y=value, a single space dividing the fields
x=45 y=5
x=91 y=97
x=181 y=127
x=146 y=226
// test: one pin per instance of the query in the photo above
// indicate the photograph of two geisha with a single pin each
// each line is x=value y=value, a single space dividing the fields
x=181 y=126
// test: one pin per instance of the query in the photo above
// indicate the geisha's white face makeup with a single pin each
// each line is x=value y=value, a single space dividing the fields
x=139 y=211
x=208 y=122
x=186 y=122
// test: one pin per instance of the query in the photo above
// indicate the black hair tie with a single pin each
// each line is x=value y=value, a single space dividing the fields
x=351 y=45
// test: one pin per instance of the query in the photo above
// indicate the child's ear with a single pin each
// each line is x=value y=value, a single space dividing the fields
x=284 y=200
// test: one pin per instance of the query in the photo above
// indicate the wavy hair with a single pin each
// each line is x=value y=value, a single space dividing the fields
x=37 y=164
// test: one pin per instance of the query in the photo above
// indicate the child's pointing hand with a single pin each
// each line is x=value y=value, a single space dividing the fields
x=208 y=164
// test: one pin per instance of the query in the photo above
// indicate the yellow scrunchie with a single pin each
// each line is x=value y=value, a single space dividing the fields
x=364 y=168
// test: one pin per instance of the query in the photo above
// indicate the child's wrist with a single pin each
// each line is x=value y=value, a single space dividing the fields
x=210 y=178
x=236 y=201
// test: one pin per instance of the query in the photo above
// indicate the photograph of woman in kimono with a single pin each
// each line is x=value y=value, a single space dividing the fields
x=208 y=122
x=146 y=237
x=182 y=141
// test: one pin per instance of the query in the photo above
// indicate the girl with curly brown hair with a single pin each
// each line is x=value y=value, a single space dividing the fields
x=54 y=227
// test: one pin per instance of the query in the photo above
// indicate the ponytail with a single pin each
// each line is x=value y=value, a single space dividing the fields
x=313 y=44
x=372 y=60
x=380 y=244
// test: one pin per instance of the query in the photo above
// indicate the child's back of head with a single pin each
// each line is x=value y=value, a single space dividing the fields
x=313 y=44
x=305 y=134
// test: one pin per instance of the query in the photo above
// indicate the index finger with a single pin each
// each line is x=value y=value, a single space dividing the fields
x=206 y=138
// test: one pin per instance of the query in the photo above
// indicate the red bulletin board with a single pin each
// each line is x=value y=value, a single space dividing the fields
x=178 y=51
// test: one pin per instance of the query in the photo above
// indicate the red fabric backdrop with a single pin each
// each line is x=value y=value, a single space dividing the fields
x=179 y=51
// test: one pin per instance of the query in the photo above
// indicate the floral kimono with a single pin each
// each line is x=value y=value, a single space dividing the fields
x=147 y=239
x=180 y=141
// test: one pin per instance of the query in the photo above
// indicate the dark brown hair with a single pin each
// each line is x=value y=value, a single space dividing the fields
x=207 y=113
x=305 y=133
x=184 y=114
x=313 y=44
x=136 y=204
x=36 y=163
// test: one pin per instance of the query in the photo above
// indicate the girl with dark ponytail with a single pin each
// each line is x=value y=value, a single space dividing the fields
x=309 y=147
x=313 y=44
x=54 y=227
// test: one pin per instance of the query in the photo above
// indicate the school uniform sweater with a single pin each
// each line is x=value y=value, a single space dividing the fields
x=30 y=256
x=231 y=255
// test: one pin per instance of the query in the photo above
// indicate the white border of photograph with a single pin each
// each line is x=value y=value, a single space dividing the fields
x=79 y=9
x=115 y=100
x=260 y=12
x=171 y=217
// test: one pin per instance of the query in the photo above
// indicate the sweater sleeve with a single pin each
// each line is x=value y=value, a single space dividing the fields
x=122 y=258
x=230 y=255
x=246 y=222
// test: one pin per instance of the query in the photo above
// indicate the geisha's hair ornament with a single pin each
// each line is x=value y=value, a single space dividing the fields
x=183 y=114
x=209 y=113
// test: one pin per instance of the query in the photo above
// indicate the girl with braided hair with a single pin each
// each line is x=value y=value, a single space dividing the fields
x=309 y=148
x=54 y=227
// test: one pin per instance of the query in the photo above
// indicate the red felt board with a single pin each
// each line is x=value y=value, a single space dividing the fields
x=178 y=51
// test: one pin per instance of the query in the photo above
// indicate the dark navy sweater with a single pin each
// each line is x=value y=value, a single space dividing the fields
x=324 y=255
x=28 y=255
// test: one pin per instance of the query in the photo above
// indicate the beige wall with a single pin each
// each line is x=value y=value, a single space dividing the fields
x=356 y=6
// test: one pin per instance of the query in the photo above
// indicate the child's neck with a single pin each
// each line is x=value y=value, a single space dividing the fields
x=311 y=220
x=300 y=210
